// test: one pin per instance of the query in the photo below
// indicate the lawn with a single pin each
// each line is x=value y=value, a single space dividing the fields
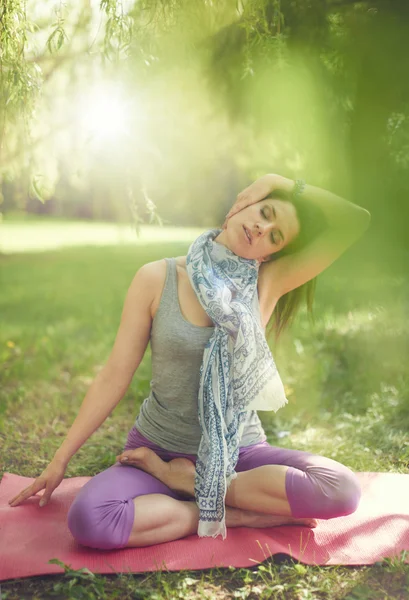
x=346 y=380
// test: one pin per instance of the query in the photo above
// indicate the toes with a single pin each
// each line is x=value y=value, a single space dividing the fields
x=311 y=522
x=138 y=455
x=305 y=522
x=141 y=453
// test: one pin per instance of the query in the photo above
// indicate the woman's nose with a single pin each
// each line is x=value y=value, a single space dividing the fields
x=260 y=229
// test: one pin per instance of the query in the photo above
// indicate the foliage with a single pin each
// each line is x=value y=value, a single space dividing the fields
x=217 y=93
x=20 y=80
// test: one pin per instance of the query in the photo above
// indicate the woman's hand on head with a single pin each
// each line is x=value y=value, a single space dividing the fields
x=255 y=192
x=49 y=479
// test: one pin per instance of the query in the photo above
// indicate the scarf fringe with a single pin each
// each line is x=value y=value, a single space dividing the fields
x=212 y=529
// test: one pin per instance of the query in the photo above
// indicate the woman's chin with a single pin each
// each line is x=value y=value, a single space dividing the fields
x=235 y=245
x=244 y=250
x=245 y=253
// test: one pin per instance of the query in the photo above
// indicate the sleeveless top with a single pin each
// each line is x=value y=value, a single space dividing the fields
x=169 y=416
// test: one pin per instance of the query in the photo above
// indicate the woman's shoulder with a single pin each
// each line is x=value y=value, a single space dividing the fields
x=156 y=272
x=156 y=269
x=181 y=261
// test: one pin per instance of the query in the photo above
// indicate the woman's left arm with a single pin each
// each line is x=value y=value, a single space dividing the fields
x=338 y=212
x=346 y=223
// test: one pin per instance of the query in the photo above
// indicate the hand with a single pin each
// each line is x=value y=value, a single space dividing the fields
x=255 y=192
x=49 y=479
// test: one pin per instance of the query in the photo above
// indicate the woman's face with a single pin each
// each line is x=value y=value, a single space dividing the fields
x=270 y=224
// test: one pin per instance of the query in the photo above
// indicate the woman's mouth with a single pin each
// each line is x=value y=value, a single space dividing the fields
x=247 y=234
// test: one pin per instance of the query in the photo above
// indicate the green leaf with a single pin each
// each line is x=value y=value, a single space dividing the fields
x=60 y=40
x=41 y=187
x=300 y=569
x=35 y=188
x=56 y=39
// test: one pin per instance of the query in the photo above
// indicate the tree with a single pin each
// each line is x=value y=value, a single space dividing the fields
x=217 y=94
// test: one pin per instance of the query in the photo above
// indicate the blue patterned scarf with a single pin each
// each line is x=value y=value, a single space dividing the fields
x=238 y=373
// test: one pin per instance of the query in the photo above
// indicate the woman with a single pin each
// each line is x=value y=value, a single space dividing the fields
x=148 y=496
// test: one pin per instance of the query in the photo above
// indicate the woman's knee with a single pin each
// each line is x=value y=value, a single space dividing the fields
x=104 y=525
x=338 y=490
x=324 y=490
x=347 y=494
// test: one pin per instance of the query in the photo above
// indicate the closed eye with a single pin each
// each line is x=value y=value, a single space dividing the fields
x=272 y=235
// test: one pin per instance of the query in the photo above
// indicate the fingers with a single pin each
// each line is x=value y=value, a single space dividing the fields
x=17 y=499
x=243 y=198
x=231 y=212
x=234 y=210
x=242 y=201
x=44 y=499
x=27 y=493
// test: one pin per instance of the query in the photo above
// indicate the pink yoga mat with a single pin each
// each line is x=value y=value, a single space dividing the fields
x=30 y=536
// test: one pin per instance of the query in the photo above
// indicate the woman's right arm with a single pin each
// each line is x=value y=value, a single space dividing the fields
x=111 y=383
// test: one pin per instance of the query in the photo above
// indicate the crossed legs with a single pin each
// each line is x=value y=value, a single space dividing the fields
x=127 y=506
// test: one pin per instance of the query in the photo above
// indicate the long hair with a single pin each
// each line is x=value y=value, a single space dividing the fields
x=312 y=222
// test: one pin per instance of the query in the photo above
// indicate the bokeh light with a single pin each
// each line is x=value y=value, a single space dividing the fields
x=103 y=113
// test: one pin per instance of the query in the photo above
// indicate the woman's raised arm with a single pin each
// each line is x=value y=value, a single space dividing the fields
x=346 y=223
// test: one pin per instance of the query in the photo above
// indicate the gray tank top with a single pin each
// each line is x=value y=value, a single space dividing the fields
x=169 y=416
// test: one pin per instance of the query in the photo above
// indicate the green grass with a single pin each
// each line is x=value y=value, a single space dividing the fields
x=346 y=380
x=28 y=235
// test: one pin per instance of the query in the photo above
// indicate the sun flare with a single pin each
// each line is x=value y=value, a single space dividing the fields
x=103 y=113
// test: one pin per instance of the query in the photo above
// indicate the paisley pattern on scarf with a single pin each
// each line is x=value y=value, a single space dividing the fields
x=237 y=374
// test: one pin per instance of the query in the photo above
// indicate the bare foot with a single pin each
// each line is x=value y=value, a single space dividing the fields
x=254 y=519
x=178 y=474
x=182 y=476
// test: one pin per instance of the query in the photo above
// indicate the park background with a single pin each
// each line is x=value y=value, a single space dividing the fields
x=129 y=127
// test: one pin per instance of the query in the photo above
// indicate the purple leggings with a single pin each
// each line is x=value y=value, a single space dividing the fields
x=102 y=513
